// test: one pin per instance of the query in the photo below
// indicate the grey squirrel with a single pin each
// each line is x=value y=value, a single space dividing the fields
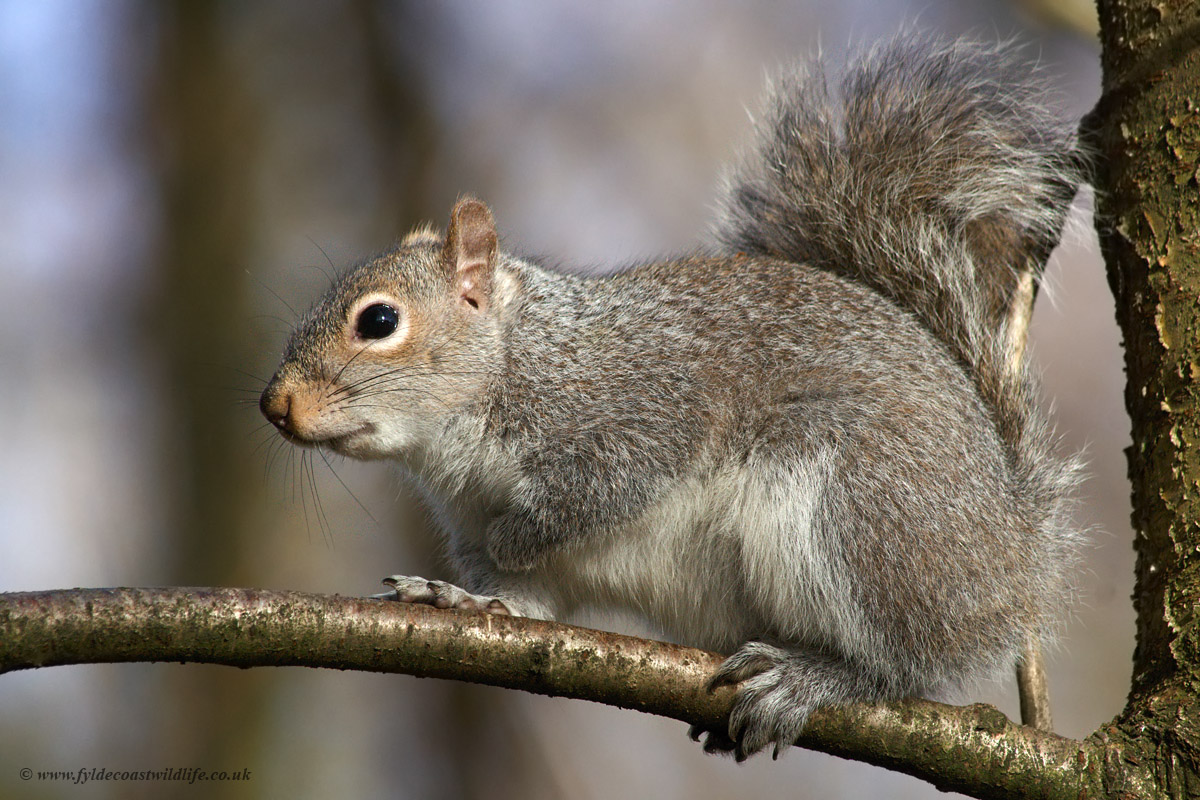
x=815 y=448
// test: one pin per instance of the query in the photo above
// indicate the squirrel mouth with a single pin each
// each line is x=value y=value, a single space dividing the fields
x=338 y=442
x=292 y=438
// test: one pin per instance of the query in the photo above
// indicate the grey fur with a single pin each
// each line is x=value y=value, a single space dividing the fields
x=807 y=451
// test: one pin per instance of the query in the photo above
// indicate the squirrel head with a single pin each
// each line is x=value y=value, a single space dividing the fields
x=397 y=344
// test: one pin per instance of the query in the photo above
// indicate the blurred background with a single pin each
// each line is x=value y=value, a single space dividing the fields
x=177 y=179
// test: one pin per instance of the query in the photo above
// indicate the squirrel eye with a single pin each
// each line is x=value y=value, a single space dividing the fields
x=377 y=321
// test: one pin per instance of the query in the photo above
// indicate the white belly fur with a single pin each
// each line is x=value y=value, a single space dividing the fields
x=742 y=527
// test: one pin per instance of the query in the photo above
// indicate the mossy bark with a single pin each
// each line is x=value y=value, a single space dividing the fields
x=973 y=749
x=1146 y=131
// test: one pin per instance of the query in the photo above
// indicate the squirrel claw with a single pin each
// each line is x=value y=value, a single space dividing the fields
x=716 y=741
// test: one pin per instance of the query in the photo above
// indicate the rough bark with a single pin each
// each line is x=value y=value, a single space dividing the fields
x=1147 y=132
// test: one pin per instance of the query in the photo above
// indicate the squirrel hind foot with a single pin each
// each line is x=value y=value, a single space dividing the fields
x=779 y=689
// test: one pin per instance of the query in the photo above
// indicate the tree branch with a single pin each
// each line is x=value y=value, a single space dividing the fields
x=973 y=749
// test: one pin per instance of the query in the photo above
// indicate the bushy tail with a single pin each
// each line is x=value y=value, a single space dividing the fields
x=941 y=179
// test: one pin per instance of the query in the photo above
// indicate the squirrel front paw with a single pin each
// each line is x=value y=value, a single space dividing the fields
x=413 y=589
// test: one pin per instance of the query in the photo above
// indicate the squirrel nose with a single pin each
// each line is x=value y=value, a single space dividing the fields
x=276 y=406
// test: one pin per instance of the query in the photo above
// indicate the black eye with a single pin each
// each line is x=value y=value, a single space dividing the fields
x=377 y=321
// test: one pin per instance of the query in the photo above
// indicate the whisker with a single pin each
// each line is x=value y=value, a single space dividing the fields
x=397 y=375
x=287 y=324
x=329 y=383
x=332 y=278
x=355 y=402
x=293 y=458
x=403 y=370
x=263 y=428
x=275 y=294
x=322 y=519
x=273 y=449
x=347 y=488
x=298 y=485
x=435 y=350
x=250 y=375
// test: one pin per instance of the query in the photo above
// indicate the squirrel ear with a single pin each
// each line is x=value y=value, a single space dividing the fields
x=470 y=251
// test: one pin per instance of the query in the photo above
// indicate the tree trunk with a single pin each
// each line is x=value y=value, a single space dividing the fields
x=1146 y=131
